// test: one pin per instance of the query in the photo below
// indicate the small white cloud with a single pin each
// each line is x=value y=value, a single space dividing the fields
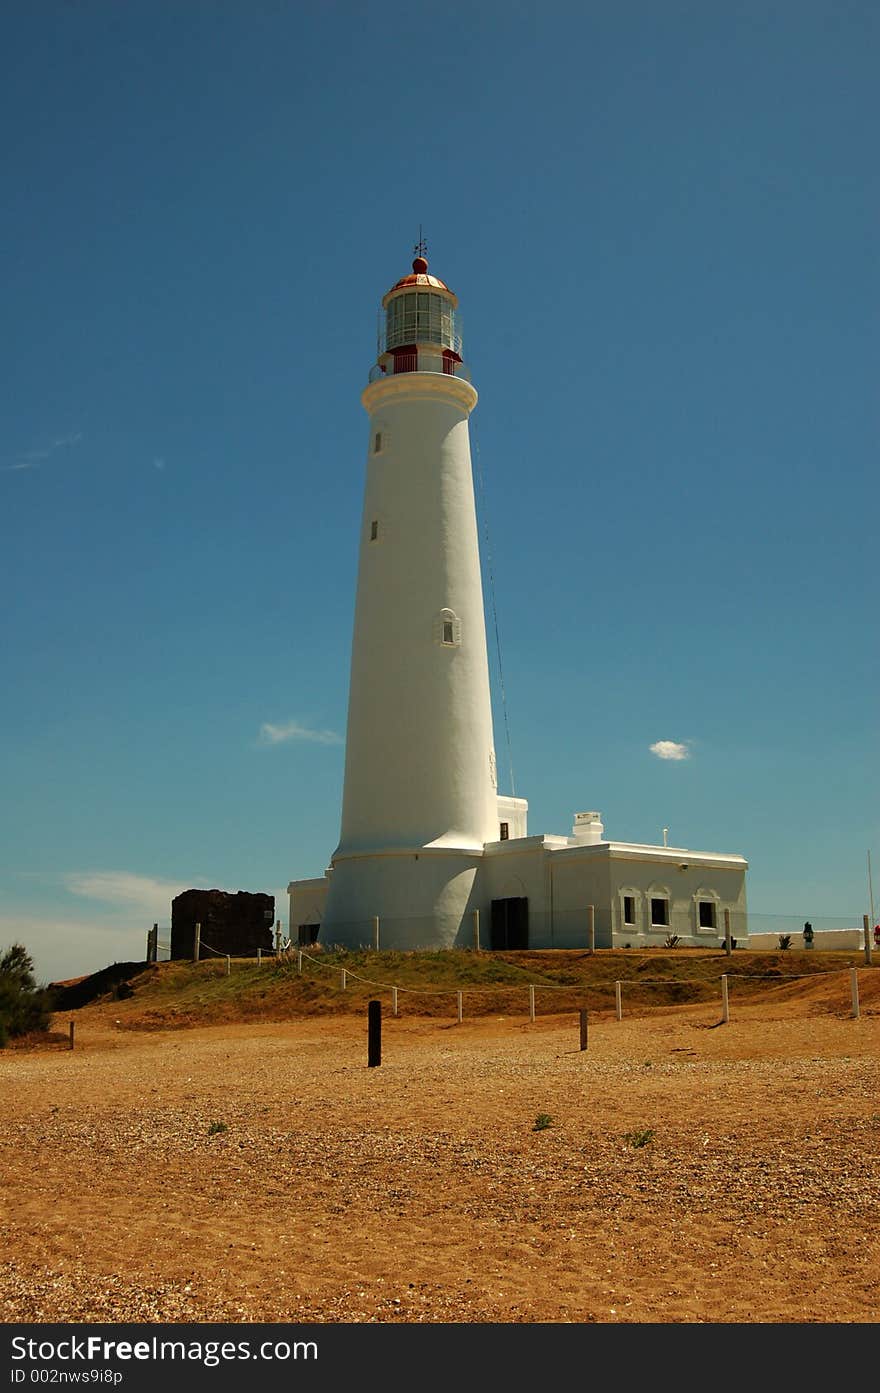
x=669 y=749
x=271 y=734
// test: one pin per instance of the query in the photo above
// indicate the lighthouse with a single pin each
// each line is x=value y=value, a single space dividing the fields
x=430 y=854
x=420 y=796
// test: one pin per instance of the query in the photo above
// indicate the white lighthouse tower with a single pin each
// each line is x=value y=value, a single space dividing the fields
x=420 y=798
x=430 y=855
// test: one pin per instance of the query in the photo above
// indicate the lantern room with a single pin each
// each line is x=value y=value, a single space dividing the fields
x=420 y=327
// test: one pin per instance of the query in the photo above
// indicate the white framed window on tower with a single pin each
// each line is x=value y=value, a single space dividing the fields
x=447 y=629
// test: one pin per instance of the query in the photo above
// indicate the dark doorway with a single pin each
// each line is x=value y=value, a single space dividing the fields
x=307 y=934
x=510 y=924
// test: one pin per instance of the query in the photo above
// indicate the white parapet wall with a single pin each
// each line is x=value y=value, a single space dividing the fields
x=824 y=940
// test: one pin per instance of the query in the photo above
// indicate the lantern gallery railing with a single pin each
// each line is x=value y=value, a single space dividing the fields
x=423 y=360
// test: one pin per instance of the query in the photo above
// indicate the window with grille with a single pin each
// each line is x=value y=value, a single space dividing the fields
x=629 y=909
x=505 y=831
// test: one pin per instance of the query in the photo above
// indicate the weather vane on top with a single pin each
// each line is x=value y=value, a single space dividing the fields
x=421 y=246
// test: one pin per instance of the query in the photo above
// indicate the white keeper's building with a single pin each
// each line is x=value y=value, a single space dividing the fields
x=430 y=854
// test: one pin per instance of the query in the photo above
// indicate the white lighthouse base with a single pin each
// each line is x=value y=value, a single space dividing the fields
x=423 y=899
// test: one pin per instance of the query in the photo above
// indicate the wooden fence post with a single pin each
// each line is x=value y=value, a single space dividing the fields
x=376 y=932
x=228 y=964
x=343 y=980
x=197 y=942
x=299 y=960
x=728 y=944
x=725 y=1004
x=584 y=1024
x=617 y=1001
x=476 y=919
x=259 y=956
x=867 y=931
x=531 y=1003
x=460 y=1007
x=854 y=988
x=72 y=1028
x=394 y=1001
x=591 y=927
x=374 y=1034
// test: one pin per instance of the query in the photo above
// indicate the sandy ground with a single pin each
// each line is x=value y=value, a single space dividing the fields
x=692 y=1172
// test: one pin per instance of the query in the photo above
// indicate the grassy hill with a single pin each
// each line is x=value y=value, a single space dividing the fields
x=180 y=994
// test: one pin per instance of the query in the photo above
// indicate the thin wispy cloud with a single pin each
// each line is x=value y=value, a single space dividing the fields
x=32 y=459
x=670 y=749
x=64 y=946
x=271 y=734
x=125 y=889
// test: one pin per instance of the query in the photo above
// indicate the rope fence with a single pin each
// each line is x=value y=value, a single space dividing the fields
x=285 y=952
x=532 y=988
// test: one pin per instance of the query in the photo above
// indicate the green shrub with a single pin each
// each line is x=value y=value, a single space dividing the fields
x=639 y=1138
x=216 y=1127
x=24 y=1007
x=542 y=1122
x=784 y=941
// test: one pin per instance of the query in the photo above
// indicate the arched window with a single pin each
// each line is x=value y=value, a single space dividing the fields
x=447 y=629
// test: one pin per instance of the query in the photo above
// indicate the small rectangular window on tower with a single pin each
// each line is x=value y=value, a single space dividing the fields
x=448 y=631
x=505 y=832
x=374 y=530
x=377 y=442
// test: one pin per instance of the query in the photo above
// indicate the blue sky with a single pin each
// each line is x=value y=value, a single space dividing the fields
x=660 y=220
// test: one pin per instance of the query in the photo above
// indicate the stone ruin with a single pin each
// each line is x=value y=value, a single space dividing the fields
x=237 y=924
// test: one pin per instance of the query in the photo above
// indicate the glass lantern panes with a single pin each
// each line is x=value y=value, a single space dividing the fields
x=419 y=317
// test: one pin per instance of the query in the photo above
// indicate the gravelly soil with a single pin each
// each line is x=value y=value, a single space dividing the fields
x=690 y=1173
